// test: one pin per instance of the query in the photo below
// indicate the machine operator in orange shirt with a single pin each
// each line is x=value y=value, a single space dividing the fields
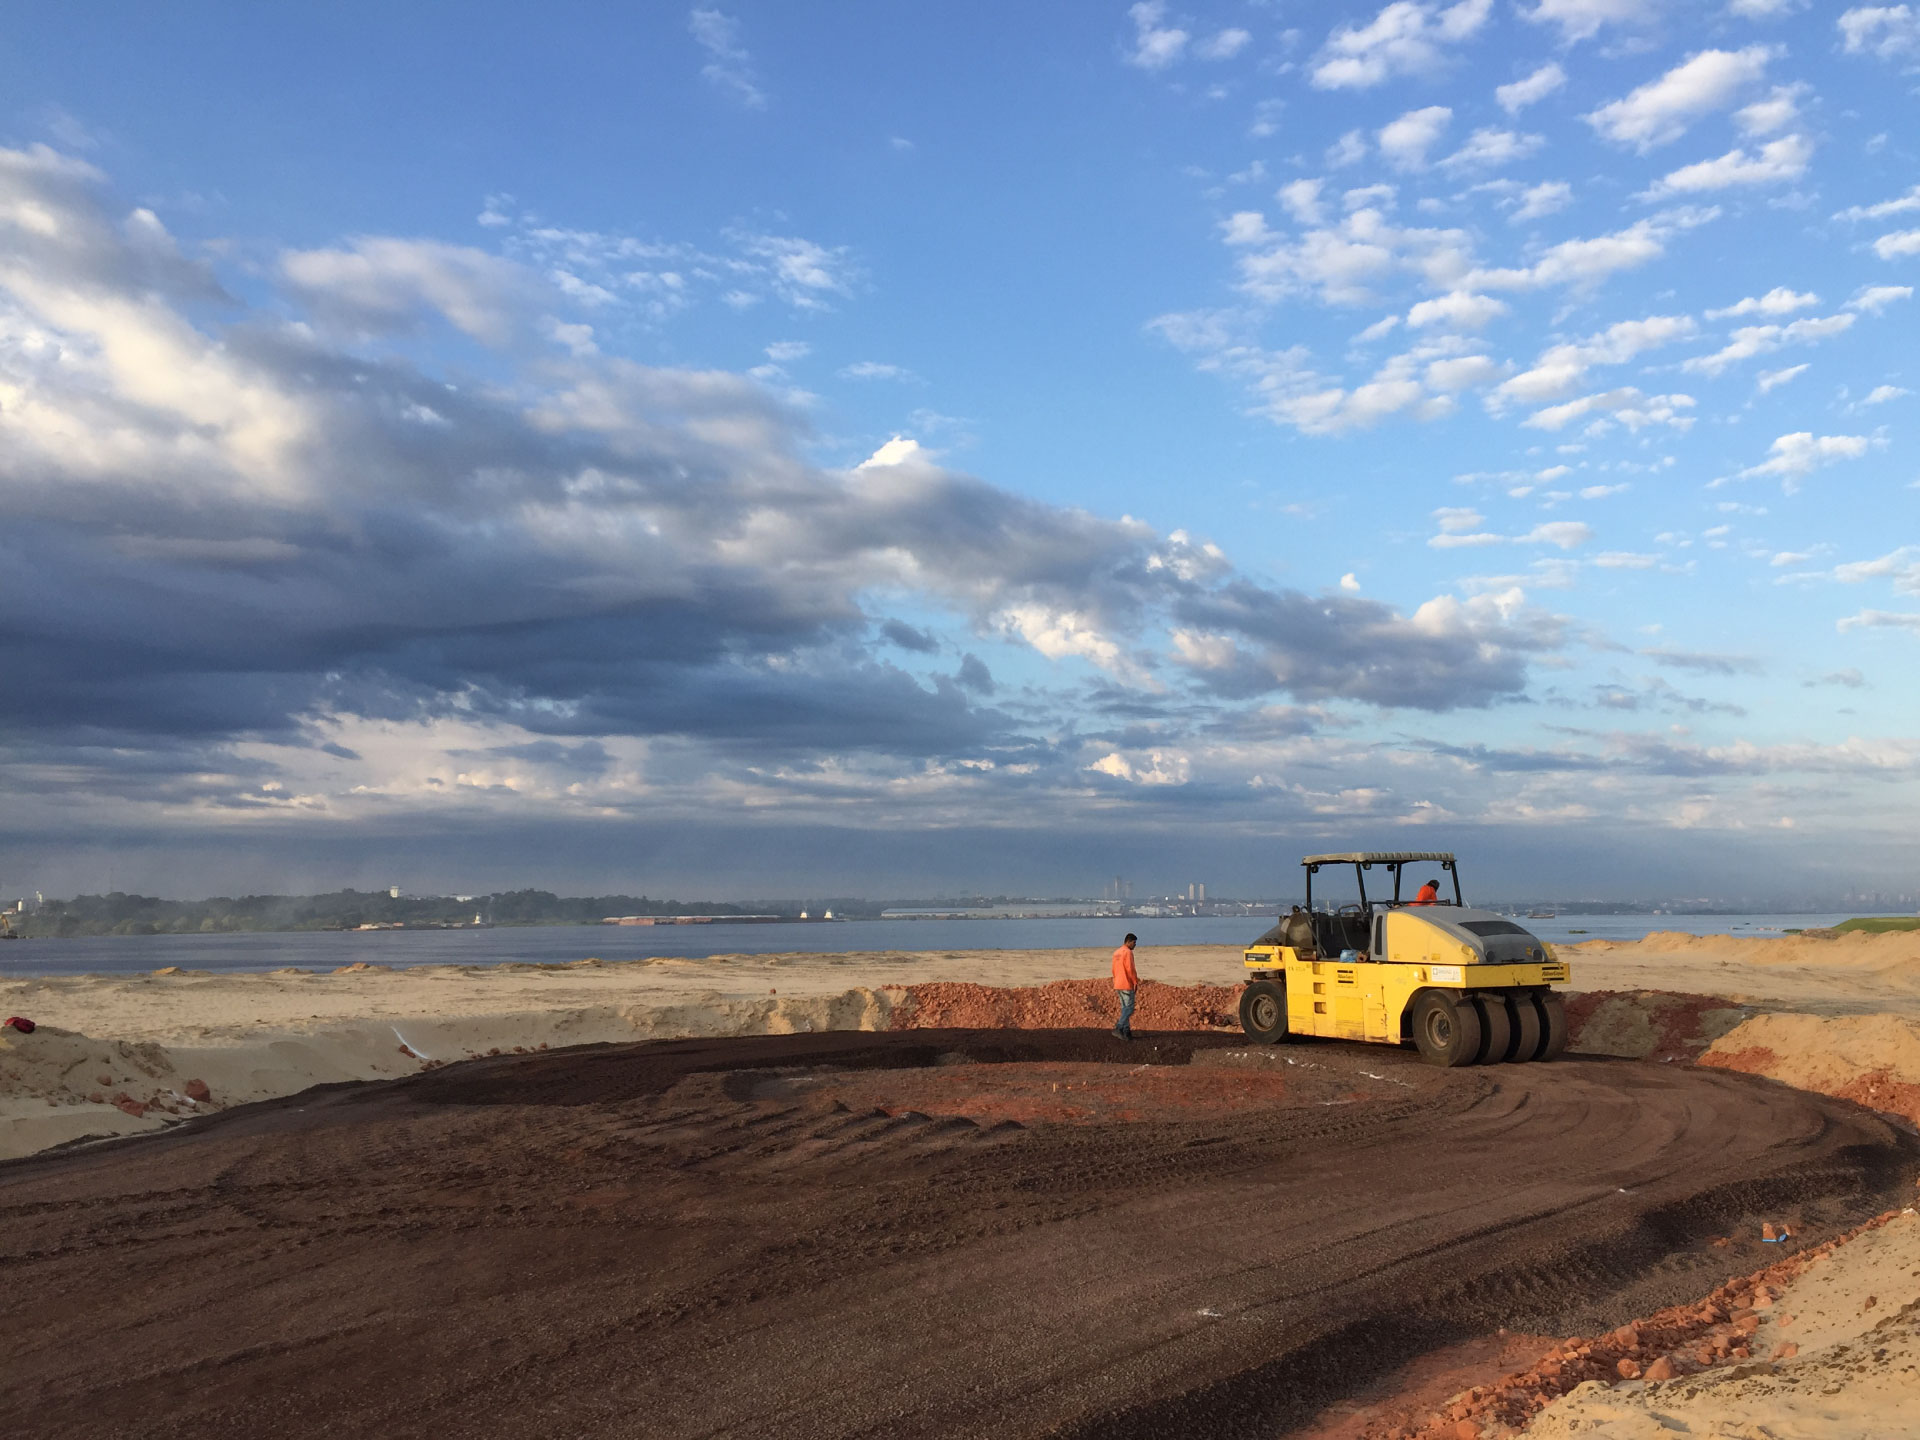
x=1127 y=981
x=1429 y=894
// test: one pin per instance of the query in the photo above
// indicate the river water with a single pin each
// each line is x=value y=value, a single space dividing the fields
x=325 y=950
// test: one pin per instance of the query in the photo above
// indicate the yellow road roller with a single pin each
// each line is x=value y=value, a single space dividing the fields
x=1463 y=986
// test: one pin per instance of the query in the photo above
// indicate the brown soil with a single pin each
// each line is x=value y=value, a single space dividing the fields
x=902 y=1234
x=1066 y=1004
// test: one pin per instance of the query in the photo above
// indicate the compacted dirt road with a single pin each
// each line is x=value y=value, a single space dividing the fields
x=921 y=1233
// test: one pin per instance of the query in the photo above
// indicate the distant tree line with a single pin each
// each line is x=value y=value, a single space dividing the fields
x=122 y=914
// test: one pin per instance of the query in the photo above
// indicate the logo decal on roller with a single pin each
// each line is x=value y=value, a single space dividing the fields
x=1446 y=972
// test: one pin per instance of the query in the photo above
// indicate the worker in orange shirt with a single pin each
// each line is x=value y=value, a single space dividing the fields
x=1127 y=981
x=1429 y=894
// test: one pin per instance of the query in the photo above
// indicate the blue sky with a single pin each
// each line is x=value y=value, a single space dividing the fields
x=873 y=448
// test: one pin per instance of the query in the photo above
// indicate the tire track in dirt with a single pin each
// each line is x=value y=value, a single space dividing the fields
x=810 y=1236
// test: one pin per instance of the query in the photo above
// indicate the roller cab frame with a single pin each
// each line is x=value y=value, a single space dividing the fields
x=1463 y=986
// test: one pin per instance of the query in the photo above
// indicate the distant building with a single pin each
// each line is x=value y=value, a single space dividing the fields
x=393 y=892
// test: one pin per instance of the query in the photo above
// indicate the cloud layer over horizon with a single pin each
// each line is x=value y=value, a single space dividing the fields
x=404 y=533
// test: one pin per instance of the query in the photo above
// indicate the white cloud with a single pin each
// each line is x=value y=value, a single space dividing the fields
x=1660 y=111
x=1155 y=46
x=1290 y=392
x=1902 y=566
x=1773 y=114
x=1408 y=37
x=1763 y=9
x=1625 y=560
x=1463 y=372
x=1880 y=619
x=1626 y=405
x=874 y=370
x=1405 y=142
x=1341 y=263
x=1302 y=199
x=1156 y=767
x=1777 y=301
x=1587 y=262
x=1875 y=298
x=801 y=271
x=1887 y=31
x=1601 y=492
x=1751 y=340
x=784 y=352
x=1773 y=379
x=729 y=66
x=1549 y=197
x=382 y=283
x=1777 y=162
x=1895 y=246
x=1883 y=393
x=1489 y=149
x=897 y=451
x=1583 y=19
x=1245 y=227
x=1459 y=310
x=1561 y=368
x=1531 y=89
x=1459 y=530
x=1349 y=149
x=1223 y=46
x=1899 y=205
x=1793 y=457
x=1566 y=534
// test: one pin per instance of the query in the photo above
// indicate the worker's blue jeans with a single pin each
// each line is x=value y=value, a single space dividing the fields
x=1125 y=1024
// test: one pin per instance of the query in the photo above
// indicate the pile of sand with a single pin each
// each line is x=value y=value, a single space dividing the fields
x=1873 y=1060
x=1818 y=1346
x=1836 y=1344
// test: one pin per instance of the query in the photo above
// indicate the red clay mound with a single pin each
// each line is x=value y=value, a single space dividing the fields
x=1066 y=1005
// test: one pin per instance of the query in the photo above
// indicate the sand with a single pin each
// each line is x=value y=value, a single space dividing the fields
x=1837 y=1357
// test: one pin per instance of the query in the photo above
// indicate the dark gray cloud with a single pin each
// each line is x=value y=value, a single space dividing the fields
x=898 y=632
x=265 y=538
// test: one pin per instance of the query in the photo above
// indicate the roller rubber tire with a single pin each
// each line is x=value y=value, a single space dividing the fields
x=1528 y=1031
x=1496 y=1030
x=1553 y=1026
x=1445 y=1031
x=1263 y=1011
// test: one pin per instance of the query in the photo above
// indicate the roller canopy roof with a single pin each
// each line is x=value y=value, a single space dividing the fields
x=1380 y=857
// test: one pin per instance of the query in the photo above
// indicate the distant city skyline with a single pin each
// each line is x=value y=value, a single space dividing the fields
x=882 y=450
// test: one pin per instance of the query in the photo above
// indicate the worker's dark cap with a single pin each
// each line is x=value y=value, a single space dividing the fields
x=1131 y=938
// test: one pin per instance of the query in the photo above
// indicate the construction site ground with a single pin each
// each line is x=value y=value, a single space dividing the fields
x=905 y=1233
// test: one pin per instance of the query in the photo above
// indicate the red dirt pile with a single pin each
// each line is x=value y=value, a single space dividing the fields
x=1066 y=1005
x=1680 y=1340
